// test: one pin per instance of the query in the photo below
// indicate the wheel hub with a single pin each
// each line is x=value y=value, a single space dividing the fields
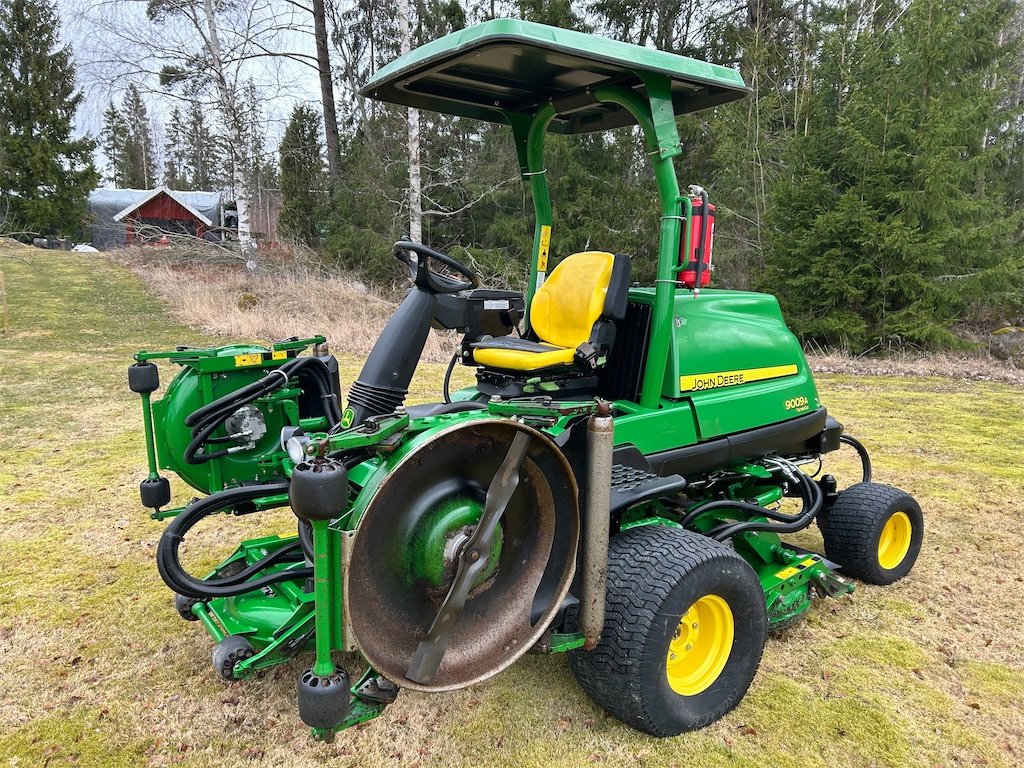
x=439 y=538
x=700 y=646
x=894 y=543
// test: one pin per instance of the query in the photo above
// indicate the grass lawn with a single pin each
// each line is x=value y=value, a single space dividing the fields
x=97 y=668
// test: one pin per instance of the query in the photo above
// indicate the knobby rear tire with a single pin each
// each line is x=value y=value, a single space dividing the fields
x=655 y=574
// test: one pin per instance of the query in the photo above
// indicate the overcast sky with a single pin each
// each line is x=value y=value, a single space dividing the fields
x=109 y=42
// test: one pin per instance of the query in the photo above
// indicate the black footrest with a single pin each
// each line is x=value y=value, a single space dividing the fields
x=631 y=485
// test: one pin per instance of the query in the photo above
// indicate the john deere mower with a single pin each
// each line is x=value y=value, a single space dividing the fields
x=616 y=486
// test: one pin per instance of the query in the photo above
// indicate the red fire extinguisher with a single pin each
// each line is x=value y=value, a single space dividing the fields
x=695 y=271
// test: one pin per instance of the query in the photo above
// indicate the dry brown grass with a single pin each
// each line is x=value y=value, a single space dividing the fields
x=969 y=366
x=99 y=671
x=293 y=295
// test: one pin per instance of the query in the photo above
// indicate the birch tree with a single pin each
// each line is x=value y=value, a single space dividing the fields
x=204 y=53
x=413 y=135
x=212 y=69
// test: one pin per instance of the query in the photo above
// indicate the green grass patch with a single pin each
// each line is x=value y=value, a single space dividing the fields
x=100 y=671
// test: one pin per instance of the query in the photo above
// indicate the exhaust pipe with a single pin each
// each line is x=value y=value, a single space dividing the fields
x=600 y=444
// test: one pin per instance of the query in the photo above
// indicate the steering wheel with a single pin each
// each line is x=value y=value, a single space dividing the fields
x=426 y=278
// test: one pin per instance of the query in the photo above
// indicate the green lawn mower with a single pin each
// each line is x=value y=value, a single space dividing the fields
x=615 y=486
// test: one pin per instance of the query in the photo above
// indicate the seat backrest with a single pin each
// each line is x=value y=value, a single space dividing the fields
x=583 y=288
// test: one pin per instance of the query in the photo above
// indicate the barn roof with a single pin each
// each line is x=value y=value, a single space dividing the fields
x=154 y=193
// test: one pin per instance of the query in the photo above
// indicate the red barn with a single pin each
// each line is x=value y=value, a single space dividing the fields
x=161 y=212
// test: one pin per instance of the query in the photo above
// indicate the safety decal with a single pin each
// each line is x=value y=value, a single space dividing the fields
x=242 y=361
x=545 y=246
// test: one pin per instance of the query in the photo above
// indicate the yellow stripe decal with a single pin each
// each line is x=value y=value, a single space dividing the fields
x=704 y=381
x=241 y=361
x=279 y=354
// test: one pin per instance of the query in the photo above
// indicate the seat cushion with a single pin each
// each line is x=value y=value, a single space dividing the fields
x=522 y=359
x=512 y=342
x=564 y=310
x=562 y=315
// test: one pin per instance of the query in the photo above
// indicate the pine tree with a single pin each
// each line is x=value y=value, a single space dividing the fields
x=113 y=133
x=128 y=144
x=202 y=152
x=895 y=218
x=45 y=174
x=138 y=170
x=175 y=153
x=556 y=13
x=260 y=170
x=302 y=177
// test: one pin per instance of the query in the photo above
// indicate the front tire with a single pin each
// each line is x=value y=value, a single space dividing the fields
x=874 y=532
x=684 y=630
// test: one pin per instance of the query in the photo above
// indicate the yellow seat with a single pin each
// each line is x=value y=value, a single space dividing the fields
x=569 y=316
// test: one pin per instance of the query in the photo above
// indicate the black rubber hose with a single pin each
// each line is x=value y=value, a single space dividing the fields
x=743 y=506
x=288 y=554
x=201 y=433
x=204 y=412
x=311 y=369
x=175 y=576
x=198 y=441
x=448 y=377
x=207 y=419
x=213 y=419
x=812 y=496
x=865 y=459
x=230 y=402
x=807 y=502
x=319 y=378
x=306 y=538
x=328 y=396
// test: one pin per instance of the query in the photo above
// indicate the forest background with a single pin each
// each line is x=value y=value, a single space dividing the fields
x=873 y=180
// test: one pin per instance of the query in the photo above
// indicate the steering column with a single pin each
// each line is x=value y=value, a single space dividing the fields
x=384 y=381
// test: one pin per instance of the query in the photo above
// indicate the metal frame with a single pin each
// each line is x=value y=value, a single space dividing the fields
x=656 y=119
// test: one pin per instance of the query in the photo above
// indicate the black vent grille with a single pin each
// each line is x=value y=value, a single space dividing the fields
x=623 y=374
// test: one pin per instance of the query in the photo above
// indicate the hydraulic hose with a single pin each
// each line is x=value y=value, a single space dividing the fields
x=245 y=393
x=286 y=554
x=322 y=382
x=865 y=459
x=812 y=497
x=205 y=420
x=223 y=407
x=448 y=377
x=198 y=441
x=182 y=582
x=214 y=414
x=743 y=506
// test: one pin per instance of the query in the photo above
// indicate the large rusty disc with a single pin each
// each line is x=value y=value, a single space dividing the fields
x=405 y=554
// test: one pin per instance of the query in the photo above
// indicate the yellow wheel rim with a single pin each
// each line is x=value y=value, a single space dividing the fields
x=700 y=646
x=894 y=542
